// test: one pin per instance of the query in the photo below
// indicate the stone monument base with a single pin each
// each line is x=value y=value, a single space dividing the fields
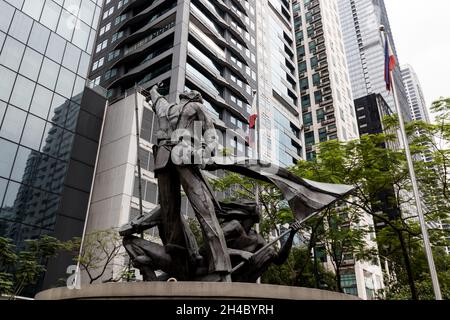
x=190 y=291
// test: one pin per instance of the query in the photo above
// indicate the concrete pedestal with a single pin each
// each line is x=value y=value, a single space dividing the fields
x=189 y=290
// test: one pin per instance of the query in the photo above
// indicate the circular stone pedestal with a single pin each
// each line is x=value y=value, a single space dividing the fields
x=189 y=290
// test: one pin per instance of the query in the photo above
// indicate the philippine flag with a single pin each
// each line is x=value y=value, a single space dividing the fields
x=389 y=65
x=252 y=122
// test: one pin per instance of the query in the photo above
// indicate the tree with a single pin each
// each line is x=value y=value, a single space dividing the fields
x=399 y=291
x=344 y=238
x=300 y=271
x=102 y=252
x=23 y=268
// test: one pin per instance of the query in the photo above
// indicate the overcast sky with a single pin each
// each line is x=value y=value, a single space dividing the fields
x=421 y=32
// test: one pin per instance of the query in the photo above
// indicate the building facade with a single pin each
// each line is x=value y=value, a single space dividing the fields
x=329 y=113
x=209 y=46
x=364 y=46
x=417 y=105
x=49 y=121
x=326 y=97
x=279 y=129
x=416 y=98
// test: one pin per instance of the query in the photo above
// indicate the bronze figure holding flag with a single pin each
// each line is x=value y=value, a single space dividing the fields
x=232 y=250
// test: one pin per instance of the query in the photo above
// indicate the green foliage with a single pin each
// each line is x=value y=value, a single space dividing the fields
x=24 y=268
x=377 y=167
x=300 y=271
x=400 y=291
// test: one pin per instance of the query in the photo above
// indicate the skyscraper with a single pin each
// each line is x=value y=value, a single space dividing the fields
x=329 y=114
x=364 y=46
x=326 y=98
x=204 y=45
x=416 y=98
x=280 y=131
x=49 y=121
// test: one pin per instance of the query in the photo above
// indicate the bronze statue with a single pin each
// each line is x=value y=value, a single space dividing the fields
x=245 y=244
x=182 y=117
x=238 y=220
x=232 y=250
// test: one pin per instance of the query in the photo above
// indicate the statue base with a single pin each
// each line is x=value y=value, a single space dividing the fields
x=190 y=291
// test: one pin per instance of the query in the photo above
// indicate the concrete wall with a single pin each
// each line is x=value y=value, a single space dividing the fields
x=114 y=177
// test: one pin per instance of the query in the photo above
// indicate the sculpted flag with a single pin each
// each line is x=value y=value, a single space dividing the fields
x=305 y=197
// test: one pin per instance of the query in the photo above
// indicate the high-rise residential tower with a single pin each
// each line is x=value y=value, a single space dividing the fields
x=414 y=92
x=365 y=49
x=329 y=114
x=326 y=97
x=279 y=129
x=49 y=121
x=200 y=44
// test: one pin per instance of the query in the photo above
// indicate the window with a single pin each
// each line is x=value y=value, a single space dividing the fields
x=307 y=119
x=21 y=26
x=107 y=13
x=22 y=93
x=314 y=62
x=97 y=64
x=31 y=64
x=12 y=53
x=320 y=115
x=309 y=138
x=105 y=28
x=304 y=84
x=114 y=54
x=101 y=46
x=110 y=74
x=121 y=3
x=316 y=79
x=306 y=101
x=348 y=283
x=116 y=36
x=120 y=18
x=13 y=124
x=318 y=96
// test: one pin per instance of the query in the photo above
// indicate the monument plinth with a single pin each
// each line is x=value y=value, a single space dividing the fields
x=191 y=291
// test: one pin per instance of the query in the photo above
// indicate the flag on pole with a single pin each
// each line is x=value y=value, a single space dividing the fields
x=389 y=64
x=252 y=122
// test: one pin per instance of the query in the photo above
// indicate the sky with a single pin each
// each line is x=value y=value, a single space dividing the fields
x=421 y=31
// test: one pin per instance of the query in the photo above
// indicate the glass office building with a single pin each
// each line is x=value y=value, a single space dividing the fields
x=49 y=121
x=364 y=46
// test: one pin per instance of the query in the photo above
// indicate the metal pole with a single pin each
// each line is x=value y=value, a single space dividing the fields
x=423 y=226
x=138 y=158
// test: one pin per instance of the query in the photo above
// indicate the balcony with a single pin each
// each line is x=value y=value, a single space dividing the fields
x=328 y=121
x=128 y=51
x=151 y=12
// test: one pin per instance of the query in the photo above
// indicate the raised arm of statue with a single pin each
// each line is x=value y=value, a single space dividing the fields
x=158 y=102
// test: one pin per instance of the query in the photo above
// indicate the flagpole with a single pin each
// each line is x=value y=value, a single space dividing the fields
x=258 y=158
x=423 y=226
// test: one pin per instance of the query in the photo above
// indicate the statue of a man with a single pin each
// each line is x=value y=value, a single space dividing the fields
x=184 y=117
